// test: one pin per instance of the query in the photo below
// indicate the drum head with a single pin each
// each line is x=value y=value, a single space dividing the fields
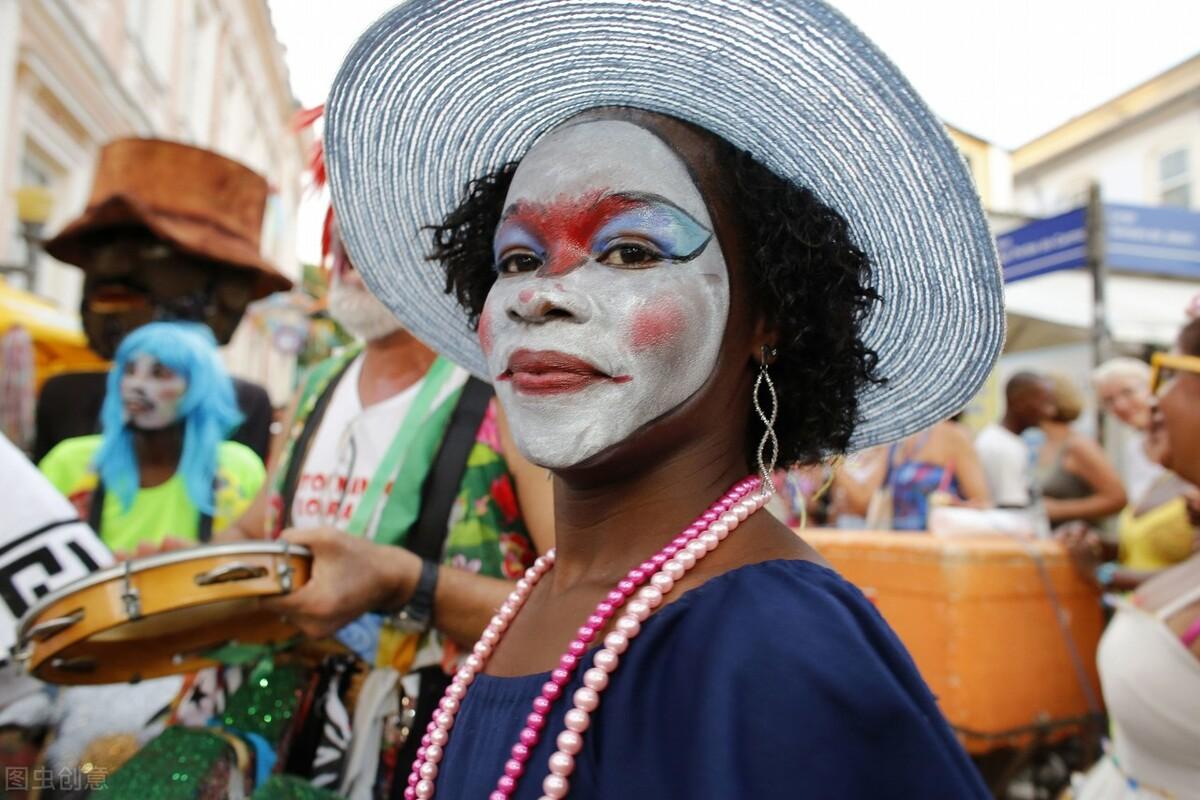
x=161 y=615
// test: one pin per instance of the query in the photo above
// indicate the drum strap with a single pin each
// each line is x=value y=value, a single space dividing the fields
x=312 y=423
x=427 y=538
x=204 y=525
x=444 y=480
x=383 y=488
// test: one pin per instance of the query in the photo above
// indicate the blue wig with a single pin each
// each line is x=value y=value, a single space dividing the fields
x=208 y=410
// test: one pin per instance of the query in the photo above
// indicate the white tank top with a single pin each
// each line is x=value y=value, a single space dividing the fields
x=1152 y=688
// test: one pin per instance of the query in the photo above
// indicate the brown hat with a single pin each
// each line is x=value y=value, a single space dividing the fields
x=205 y=204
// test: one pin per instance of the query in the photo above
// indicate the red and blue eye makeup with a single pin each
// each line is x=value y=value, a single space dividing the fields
x=621 y=230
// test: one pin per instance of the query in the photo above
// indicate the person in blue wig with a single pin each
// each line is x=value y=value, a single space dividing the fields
x=160 y=475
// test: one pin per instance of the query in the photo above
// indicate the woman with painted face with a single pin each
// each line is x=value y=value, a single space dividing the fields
x=1149 y=657
x=160 y=475
x=698 y=240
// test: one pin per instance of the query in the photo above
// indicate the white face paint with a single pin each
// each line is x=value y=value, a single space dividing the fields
x=151 y=393
x=351 y=303
x=613 y=293
x=360 y=312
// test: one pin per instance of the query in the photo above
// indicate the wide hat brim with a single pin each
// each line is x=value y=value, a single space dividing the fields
x=437 y=93
x=75 y=243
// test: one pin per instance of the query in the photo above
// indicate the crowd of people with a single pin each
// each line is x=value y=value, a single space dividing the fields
x=1036 y=462
x=385 y=441
x=641 y=324
x=1130 y=523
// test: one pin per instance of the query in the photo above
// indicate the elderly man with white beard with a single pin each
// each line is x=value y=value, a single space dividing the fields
x=390 y=442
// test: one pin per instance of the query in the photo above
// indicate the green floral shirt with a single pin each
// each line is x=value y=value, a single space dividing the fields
x=486 y=534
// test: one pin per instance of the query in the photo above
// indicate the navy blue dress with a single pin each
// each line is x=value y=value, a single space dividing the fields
x=774 y=680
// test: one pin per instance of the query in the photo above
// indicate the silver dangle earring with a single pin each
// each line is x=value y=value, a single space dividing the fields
x=768 y=445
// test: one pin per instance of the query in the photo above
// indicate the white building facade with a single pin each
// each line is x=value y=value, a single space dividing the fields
x=75 y=74
x=1142 y=147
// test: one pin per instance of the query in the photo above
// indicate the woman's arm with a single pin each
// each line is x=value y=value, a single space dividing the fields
x=1090 y=464
x=969 y=470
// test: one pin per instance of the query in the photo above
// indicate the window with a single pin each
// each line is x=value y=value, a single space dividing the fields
x=1174 y=179
x=149 y=26
x=158 y=41
x=135 y=16
x=200 y=61
x=90 y=16
x=34 y=171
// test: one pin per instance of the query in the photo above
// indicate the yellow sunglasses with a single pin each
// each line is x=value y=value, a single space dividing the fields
x=1163 y=367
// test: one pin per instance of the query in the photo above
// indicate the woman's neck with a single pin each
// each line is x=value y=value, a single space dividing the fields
x=603 y=529
x=158 y=453
x=391 y=364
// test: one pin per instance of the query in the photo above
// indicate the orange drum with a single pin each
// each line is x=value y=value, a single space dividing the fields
x=161 y=614
x=981 y=617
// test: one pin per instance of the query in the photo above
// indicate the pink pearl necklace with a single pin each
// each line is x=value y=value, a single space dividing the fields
x=661 y=571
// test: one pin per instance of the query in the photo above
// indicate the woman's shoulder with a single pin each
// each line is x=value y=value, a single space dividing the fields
x=77 y=450
x=794 y=580
x=1081 y=445
x=70 y=464
x=789 y=653
x=803 y=629
x=942 y=444
x=1085 y=456
x=791 y=580
x=792 y=610
x=793 y=623
x=955 y=435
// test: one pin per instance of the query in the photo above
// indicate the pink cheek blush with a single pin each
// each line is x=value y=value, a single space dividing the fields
x=485 y=331
x=660 y=324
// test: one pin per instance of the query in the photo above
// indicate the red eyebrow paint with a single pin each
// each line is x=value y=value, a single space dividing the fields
x=566 y=226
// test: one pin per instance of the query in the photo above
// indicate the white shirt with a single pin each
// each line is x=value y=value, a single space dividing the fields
x=43 y=548
x=346 y=452
x=1139 y=472
x=349 y=447
x=1005 y=459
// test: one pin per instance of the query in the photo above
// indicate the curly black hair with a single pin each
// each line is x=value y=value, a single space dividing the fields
x=806 y=276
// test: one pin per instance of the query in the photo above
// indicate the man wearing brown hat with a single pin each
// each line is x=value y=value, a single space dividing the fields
x=170 y=232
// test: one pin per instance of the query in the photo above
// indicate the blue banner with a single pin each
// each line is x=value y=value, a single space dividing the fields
x=1158 y=241
x=1142 y=239
x=1046 y=245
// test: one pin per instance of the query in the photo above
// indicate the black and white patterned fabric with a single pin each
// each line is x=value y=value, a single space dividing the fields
x=43 y=544
x=333 y=744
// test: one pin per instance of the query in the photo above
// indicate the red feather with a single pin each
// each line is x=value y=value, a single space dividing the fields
x=316 y=165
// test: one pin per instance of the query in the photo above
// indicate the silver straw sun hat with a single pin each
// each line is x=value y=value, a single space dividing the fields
x=438 y=92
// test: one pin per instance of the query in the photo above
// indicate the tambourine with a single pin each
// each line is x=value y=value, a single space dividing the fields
x=161 y=614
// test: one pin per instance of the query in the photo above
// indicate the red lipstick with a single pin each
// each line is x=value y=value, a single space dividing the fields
x=546 y=372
